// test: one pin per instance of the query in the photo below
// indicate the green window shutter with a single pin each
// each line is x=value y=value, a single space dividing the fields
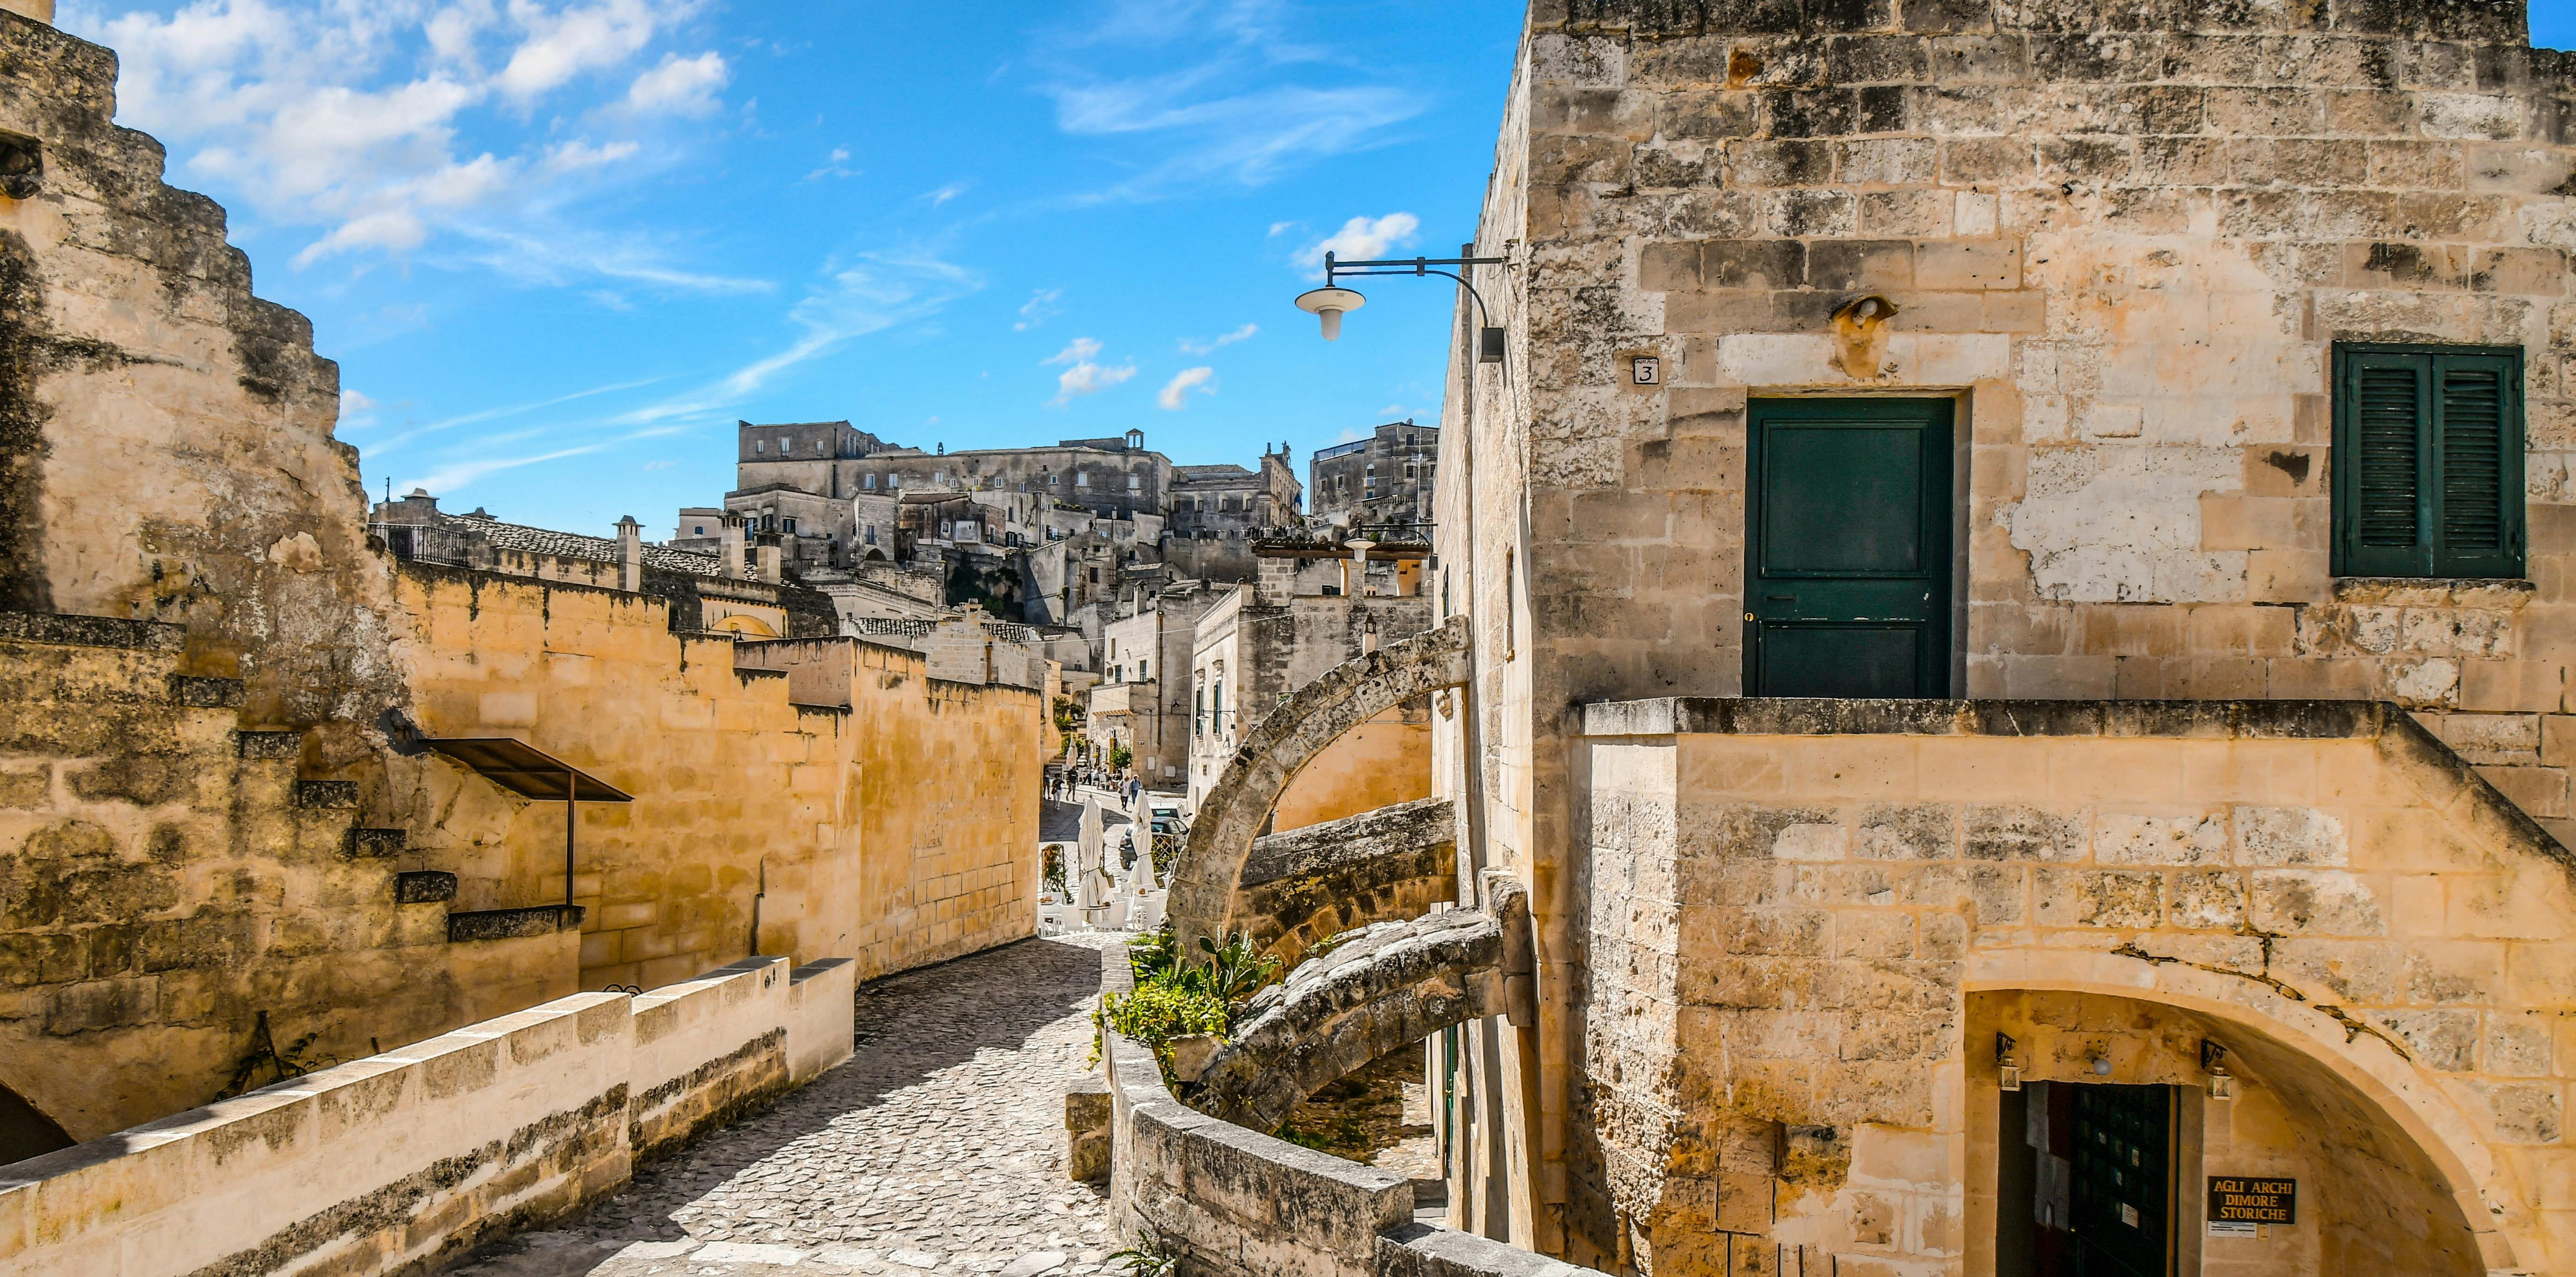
x=2383 y=414
x=2478 y=433
x=2428 y=462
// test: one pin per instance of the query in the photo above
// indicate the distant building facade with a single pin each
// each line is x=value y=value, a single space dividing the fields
x=1383 y=479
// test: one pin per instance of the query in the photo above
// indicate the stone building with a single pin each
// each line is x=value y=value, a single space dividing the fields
x=1218 y=511
x=279 y=787
x=1387 y=478
x=2005 y=614
x=1143 y=701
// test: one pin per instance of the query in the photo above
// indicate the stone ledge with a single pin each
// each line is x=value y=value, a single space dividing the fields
x=207 y=693
x=268 y=744
x=512 y=924
x=1819 y=716
x=92 y=631
x=1350 y=841
x=2499 y=593
x=424 y=887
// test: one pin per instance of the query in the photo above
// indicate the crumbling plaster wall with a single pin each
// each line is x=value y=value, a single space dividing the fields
x=2124 y=236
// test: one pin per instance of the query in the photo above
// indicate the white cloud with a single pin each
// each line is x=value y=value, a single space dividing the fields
x=681 y=86
x=836 y=165
x=1039 y=308
x=1362 y=239
x=1086 y=376
x=1278 y=229
x=946 y=193
x=1175 y=393
x=355 y=401
x=1080 y=350
x=564 y=44
x=1193 y=346
x=368 y=121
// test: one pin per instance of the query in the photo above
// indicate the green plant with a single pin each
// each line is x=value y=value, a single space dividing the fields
x=1235 y=970
x=1150 y=1255
x=1120 y=756
x=1161 y=1010
x=1055 y=871
x=1152 y=953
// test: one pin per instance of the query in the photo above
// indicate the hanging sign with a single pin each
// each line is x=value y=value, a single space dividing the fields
x=2237 y=1203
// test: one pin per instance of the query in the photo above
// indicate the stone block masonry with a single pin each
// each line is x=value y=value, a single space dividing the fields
x=395 y=1163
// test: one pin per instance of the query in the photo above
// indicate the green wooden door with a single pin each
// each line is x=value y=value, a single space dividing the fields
x=1847 y=580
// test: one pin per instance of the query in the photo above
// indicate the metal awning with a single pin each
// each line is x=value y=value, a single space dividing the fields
x=526 y=770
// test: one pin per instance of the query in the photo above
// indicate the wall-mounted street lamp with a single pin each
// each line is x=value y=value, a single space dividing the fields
x=1330 y=302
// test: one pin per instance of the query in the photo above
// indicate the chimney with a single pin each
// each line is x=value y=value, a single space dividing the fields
x=767 y=556
x=630 y=552
x=40 y=10
x=731 y=563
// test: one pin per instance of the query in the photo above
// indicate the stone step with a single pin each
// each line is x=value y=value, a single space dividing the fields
x=327 y=794
x=512 y=924
x=375 y=842
x=426 y=887
x=268 y=744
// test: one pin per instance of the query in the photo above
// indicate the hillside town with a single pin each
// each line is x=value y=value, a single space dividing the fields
x=1970 y=678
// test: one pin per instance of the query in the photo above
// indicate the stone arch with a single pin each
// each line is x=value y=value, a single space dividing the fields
x=1386 y=987
x=1230 y=817
x=2482 y=1187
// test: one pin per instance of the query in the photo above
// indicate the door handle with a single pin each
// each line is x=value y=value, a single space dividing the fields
x=1779 y=598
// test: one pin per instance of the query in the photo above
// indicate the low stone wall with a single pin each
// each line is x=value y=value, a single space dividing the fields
x=1243 y=1203
x=396 y=1162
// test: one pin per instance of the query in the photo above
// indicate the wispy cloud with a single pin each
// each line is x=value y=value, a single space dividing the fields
x=1220 y=92
x=1085 y=375
x=868 y=294
x=835 y=165
x=1039 y=308
x=681 y=86
x=496 y=414
x=1362 y=239
x=1193 y=346
x=1175 y=394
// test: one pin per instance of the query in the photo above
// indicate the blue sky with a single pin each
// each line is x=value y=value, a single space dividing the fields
x=559 y=246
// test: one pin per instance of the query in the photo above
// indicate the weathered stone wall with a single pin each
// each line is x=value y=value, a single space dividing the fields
x=397 y=1162
x=1792 y=904
x=1241 y=1203
x=166 y=878
x=2122 y=237
x=1384 y=865
x=165 y=436
x=858 y=806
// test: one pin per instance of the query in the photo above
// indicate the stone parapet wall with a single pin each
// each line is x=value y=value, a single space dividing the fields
x=1240 y=1203
x=1792 y=903
x=1386 y=865
x=397 y=1162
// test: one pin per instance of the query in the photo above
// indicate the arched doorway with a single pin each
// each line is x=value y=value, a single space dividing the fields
x=2097 y=1139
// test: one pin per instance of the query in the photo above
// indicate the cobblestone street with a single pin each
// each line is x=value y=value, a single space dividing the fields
x=937 y=1149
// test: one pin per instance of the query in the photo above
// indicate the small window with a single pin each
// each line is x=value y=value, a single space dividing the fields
x=698 y=531
x=2428 y=461
x=872 y=534
x=790 y=525
x=785 y=445
x=760 y=447
x=1055 y=480
x=894 y=481
x=869 y=482
x=1082 y=479
x=1134 y=482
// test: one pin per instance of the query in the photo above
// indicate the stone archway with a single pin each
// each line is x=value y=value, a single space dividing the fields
x=1203 y=894
x=2317 y=1052
x=1386 y=987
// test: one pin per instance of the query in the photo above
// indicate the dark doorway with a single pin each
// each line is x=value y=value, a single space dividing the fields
x=2084 y=1181
x=24 y=1131
x=1847 y=540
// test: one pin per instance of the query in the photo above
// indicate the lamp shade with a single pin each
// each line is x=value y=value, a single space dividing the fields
x=1330 y=304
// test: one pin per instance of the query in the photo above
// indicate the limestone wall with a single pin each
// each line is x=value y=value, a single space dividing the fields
x=165 y=879
x=1796 y=906
x=2122 y=238
x=165 y=436
x=859 y=806
x=396 y=1162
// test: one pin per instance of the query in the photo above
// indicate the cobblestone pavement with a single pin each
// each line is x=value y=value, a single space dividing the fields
x=938 y=1151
